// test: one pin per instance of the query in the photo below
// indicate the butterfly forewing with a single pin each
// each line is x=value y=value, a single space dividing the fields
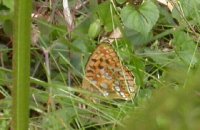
x=105 y=75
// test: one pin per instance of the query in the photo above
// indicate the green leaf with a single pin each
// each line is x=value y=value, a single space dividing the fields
x=159 y=57
x=104 y=13
x=185 y=47
x=94 y=29
x=141 y=19
x=189 y=8
x=136 y=38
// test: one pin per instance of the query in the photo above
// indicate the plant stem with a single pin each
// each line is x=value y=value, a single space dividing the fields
x=21 y=64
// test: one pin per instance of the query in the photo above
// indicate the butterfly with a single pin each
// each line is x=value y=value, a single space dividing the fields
x=105 y=75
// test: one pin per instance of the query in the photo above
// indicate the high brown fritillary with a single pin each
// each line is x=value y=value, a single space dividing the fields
x=105 y=75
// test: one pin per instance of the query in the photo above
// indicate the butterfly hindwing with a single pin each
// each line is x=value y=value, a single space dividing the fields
x=105 y=75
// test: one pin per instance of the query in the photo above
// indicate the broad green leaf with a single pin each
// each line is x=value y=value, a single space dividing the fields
x=185 y=47
x=141 y=19
x=106 y=13
x=159 y=57
x=189 y=8
x=136 y=38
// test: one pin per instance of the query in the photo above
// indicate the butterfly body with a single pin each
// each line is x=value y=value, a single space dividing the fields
x=105 y=75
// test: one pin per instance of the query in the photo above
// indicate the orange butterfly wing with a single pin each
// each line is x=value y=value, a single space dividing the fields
x=105 y=75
